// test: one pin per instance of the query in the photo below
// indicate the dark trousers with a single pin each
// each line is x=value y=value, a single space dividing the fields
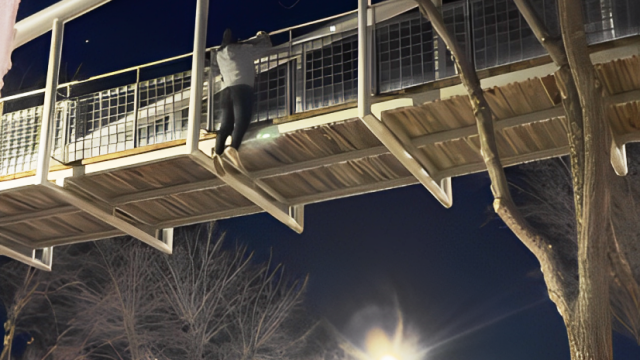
x=237 y=106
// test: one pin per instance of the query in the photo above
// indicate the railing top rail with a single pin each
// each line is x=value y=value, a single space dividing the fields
x=41 y=22
x=313 y=22
x=141 y=66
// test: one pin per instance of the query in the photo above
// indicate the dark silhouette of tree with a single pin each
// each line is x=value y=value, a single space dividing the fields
x=579 y=277
x=119 y=299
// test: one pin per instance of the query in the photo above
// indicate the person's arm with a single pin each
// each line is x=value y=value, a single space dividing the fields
x=261 y=40
x=262 y=43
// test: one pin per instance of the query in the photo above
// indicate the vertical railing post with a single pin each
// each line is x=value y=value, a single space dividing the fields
x=290 y=94
x=197 y=76
x=468 y=27
x=371 y=54
x=303 y=59
x=48 y=112
x=364 y=89
x=136 y=110
x=64 y=132
x=211 y=93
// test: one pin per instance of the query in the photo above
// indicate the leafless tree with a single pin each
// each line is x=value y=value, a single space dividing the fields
x=118 y=312
x=199 y=282
x=546 y=199
x=35 y=297
x=228 y=307
x=578 y=278
x=130 y=302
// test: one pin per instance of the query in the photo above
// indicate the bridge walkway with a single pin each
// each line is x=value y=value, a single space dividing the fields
x=425 y=135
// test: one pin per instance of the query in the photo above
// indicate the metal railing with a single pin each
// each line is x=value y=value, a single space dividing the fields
x=127 y=110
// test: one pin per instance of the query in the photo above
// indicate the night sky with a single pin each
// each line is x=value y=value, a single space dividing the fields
x=462 y=279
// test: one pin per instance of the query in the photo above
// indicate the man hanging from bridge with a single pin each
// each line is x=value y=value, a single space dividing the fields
x=236 y=63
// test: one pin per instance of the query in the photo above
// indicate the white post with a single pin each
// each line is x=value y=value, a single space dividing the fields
x=364 y=101
x=38 y=23
x=197 y=76
x=48 y=113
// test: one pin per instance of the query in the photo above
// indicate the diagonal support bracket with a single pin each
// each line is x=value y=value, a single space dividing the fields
x=399 y=144
x=255 y=190
x=38 y=258
x=164 y=245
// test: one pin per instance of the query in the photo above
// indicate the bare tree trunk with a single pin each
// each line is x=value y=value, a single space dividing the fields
x=570 y=97
x=587 y=315
x=591 y=326
x=504 y=206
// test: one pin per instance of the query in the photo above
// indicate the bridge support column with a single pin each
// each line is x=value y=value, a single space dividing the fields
x=398 y=143
x=48 y=111
x=197 y=76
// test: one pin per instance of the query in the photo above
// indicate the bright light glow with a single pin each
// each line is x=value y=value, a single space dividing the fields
x=400 y=346
x=332 y=28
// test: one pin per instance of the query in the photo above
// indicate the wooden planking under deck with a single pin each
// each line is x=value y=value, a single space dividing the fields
x=294 y=163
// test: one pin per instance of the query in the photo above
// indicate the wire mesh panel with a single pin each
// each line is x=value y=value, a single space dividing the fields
x=456 y=19
x=20 y=138
x=163 y=113
x=598 y=20
x=405 y=52
x=101 y=123
x=19 y=142
x=626 y=17
x=331 y=70
x=271 y=85
x=502 y=36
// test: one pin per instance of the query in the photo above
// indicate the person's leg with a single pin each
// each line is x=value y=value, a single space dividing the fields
x=242 y=98
x=226 y=122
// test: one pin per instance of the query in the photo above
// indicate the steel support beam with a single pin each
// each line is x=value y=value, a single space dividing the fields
x=398 y=144
x=197 y=76
x=48 y=111
x=74 y=239
x=367 y=188
x=166 y=191
x=412 y=158
x=41 y=214
x=267 y=199
x=40 y=22
x=109 y=218
x=417 y=142
x=364 y=80
x=37 y=258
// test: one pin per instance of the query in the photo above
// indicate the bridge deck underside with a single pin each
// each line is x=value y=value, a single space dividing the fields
x=326 y=161
x=35 y=217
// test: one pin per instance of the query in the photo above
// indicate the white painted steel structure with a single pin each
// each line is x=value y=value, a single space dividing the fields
x=76 y=192
x=41 y=22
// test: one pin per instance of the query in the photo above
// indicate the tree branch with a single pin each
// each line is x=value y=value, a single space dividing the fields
x=570 y=98
x=503 y=204
x=590 y=330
